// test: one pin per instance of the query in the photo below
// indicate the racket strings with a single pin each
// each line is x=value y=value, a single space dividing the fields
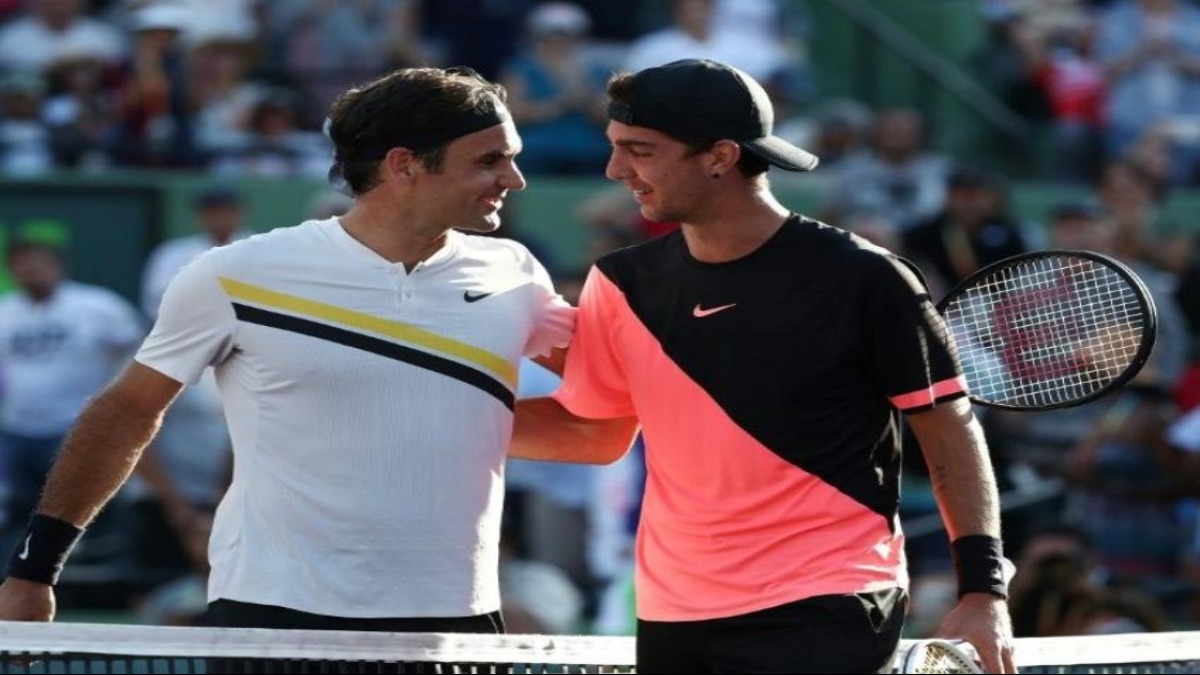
x=1044 y=331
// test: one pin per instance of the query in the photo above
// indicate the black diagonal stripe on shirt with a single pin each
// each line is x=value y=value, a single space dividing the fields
x=390 y=350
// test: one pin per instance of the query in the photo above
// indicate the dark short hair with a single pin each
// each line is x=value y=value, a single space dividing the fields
x=217 y=195
x=406 y=103
x=620 y=90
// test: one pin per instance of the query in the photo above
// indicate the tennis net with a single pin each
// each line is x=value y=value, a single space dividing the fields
x=99 y=648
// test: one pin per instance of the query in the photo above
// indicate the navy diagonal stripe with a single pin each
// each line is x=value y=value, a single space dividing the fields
x=390 y=350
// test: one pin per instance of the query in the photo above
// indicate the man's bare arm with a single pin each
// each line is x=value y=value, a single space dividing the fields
x=961 y=472
x=104 y=446
x=965 y=487
x=545 y=430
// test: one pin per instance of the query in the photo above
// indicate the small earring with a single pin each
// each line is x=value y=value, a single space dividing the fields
x=716 y=175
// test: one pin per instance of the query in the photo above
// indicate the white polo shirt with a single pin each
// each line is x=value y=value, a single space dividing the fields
x=57 y=353
x=370 y=410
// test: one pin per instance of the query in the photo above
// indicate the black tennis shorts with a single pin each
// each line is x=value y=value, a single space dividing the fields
x=230 y=613
x=855 y=633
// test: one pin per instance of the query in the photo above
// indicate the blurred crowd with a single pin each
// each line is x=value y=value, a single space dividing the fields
x=1102 y=502
x=241 y=87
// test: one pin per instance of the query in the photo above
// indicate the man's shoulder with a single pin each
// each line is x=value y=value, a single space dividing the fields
x=179 y=245
x=832 y=250
x=264 y=246
x=83 y=294
x=495 y=250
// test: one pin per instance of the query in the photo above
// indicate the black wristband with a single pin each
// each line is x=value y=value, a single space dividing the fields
x=42 y=553
x=979 y=565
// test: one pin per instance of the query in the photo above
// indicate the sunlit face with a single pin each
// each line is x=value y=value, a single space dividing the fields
x=478 y=171
x=668 y=183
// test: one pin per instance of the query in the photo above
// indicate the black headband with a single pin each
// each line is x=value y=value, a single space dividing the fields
x=464 y=123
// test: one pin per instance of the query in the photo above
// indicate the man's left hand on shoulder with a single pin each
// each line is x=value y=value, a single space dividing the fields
x=983 y=620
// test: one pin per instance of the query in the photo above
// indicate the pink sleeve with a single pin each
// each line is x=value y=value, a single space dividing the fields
x=594 y=382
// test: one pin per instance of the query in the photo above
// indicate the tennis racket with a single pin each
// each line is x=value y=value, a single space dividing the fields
x=1050 y=329
x=940 y=656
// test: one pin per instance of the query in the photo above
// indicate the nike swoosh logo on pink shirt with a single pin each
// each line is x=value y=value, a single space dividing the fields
x=700 y=313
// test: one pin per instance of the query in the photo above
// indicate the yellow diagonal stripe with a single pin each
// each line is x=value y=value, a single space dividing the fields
x=393 y=329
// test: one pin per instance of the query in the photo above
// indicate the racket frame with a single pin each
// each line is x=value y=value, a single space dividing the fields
x=961 y=652
x=1145 y=300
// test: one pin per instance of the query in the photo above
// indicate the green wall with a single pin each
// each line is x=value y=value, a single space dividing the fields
x=848 y=62
x=109 y=223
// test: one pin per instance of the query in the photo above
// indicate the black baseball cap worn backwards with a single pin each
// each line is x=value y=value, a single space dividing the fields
x=698 y=98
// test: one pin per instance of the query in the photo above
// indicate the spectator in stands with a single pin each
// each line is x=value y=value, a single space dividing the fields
x=557 y=95
x=220 y=214
x=1054 y=538
x=52 y=29
x=60 y=341
x=208 y=17
x=1133 y=199
x=839 y=131
x=221 y=92
x=1058 y=58
x=82 y=113
x=1150 y=51
x=1183 y=436
x=695 y=34
x=1125 y=474
x=976 y=228
x=156 y=126
x=774 y=36
x=1000 y=61
x=25 y=144
x=897 y=175
x=404 y=45
x=325 y=46
x=273 y=145
x=1056 y=600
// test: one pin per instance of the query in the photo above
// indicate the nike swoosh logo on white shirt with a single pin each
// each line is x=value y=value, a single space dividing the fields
x=700 y=312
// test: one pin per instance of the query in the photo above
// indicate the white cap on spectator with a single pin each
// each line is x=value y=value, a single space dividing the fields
x=558 y=17
x=162 y=16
